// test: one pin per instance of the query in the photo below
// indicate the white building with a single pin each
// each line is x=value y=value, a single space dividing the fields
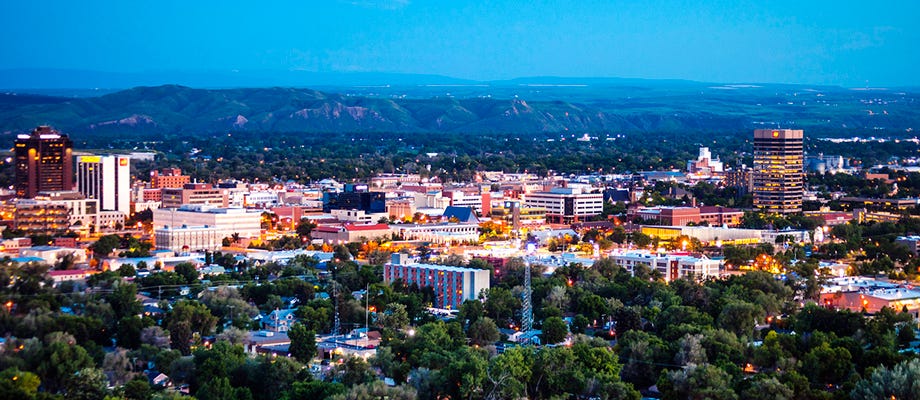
x=566 y=205
x=671 y=266
x=53 y=254
x=430 y=199
x=107 y=179
x=357 y=216
x=705 y=165
x=263 y=199
x=186 y=239
x=246 y=223
x=446 y=233
x=459 y=198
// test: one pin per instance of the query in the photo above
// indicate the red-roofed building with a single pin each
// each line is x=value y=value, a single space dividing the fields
x=347 y=233
x=68 y=275
x=832 y=218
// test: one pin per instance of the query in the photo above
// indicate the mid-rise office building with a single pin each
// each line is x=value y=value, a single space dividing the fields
x=41 y=217
x=194 y=194
x=778 y=176
x=371 y=202
x=740 y=179
x=44 y=162
x=107 y=179
x=682 y=216
x=566 y=205
x=168 y=178
x=85 y=215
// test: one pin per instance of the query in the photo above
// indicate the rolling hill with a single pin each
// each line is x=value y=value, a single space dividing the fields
x=515 y=108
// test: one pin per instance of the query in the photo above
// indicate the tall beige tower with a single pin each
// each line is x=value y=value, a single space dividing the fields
x=778 y=176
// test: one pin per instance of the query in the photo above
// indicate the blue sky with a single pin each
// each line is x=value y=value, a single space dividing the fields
x=851 y=43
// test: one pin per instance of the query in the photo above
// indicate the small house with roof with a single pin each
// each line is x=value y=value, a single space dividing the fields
x=279 y=320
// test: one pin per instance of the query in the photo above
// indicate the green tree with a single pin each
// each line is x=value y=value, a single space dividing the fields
x=305 y=228
x=353 y=371
x=593 y=306
x=118 y=364
x=696 y=382
x=105 y=245
x=899 y=382
x=827 y=364
x=739 y=317
x=500 y=305
x=218 y=389
x=509 y=373
x=394 y=318
x=311 y=389
x=269 y=377
x=378 y=257
x=138 y=389
x=128 y=331
x=126 y=270
x=234 y=335
x=60 y=361
x=186 y=319
x=377 y=390
x=554 y=330
x=906 y=335
x=768 y=388
x=303 y=343
x=16 y=384
x=222 y=360
x=123 y=300
x=87 y=384
x=641 y=240
x=642 y=354
x=187 y=271
x=470 y=311
x=483 y=332
x=627 y=319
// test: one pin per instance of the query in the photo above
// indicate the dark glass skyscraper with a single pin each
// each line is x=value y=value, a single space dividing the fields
x=44 y=162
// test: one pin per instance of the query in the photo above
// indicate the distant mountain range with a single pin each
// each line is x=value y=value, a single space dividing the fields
x=544 y=104
x=177 y=109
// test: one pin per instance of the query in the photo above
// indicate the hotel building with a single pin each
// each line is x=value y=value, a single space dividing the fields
x=107 y=179
x=44 y=162
x=452 y=285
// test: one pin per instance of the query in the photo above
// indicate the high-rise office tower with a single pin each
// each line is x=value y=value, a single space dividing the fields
x=107 y=179
x=778 y=177
x=44 y=162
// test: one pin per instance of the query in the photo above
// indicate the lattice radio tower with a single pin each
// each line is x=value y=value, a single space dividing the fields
x=335 y=303
x=527 y=313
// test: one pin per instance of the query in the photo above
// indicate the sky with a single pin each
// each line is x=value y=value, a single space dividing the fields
x=848 y=43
